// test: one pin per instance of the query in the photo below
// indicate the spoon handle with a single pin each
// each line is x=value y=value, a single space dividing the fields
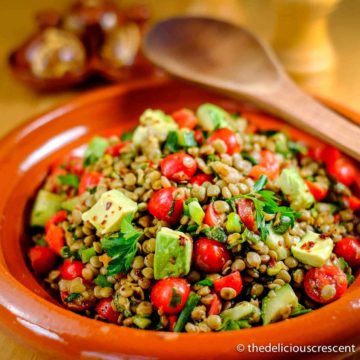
x=301 y=110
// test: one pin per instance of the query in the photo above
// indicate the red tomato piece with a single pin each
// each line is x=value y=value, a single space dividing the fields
x=198 y=136
x=185 y=118
x=170 y=295
x=215 y=306
x=343 y=171
x=199 y=179
x=337 y=218
x=329 y=155
x=232 y=280
x=71 y=269
x=325 y=284
x=115 y=150
x=79 y=304
x=89 y=180
x=55 y=238
x=210 y=255
x=246 y=211
x=353 y=202
x=178 y=167
x=106 y=311
x=55 y=219
x=319 y=191
x=172 y=322
x=349 y=249
x=74 y=165
x=228 y=137
x=212 y=218
x=269 y=166
x=316 y=153
x=42 y=259
x=163 y=206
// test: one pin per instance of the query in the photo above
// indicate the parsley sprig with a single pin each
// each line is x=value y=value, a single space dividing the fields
x=265 y=201
x=122 y=247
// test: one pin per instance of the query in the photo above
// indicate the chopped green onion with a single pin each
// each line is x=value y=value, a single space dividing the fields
x=185 y=314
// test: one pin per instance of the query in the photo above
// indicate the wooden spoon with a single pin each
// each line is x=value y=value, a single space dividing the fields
x=230 y=59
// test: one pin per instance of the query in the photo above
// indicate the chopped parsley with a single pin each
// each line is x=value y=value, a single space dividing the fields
x=265 y=201
x=205 y=282
x=122 y=247
x=102 y=281
x=70 y=180
x=127 y=136
x=215 y=233
x=72 y=297
x=95 y=150
x=171 y=143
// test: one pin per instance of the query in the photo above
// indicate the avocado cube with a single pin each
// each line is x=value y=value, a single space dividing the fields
x=313 y=250
x=276 y=242
x=45 y=206
x=173 y=252
x=294 y=187
x=106 y=215
x=154 y=123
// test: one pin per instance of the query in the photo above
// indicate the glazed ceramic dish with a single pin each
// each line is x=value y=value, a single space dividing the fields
x=32 y=315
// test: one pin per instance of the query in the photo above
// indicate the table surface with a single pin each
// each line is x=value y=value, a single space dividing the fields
x=18 y=103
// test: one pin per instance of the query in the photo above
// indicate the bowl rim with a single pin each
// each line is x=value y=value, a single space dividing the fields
x=62 y=326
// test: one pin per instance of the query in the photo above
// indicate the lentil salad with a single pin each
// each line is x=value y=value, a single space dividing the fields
x=197 y=222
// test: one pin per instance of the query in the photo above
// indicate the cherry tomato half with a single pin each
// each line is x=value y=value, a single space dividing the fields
x=115 y=150
x=246 y=211
x=343 y=171
x=228 y=137
x=89 y=180
x=178 y=167
x=215 y=305
x=55 y=219
x=199 y=179
x=71 y=269
x=55 y=238
x=325 y=284
x=106 y=311
x=170 y=295
x=232 y=280
x=163 y=206
x=319 y=191
x=349 y=249
x=212 y=218
x=185 y=118
x=210 y=255
x=42 y=259
x=269 y=166
x=353 y=202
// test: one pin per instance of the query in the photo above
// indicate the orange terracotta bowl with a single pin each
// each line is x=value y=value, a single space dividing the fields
x=29 y=313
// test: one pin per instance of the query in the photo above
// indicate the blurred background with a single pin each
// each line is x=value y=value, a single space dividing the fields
x=318 y=41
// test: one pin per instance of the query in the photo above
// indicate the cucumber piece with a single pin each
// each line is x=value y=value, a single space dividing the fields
x=70 y=204
x=276 y=242
x=284 y=301
x=141 y=322
x=244 y=310
x=233 y=223
x=45 y=206
x=274 y=270
x=86 y=254
x=212 y=117
x=196 y=212
x=186 y=138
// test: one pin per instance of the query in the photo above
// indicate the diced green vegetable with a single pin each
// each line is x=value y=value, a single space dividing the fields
x=245 y=310
x=69 y=180
x=196 y=212
x=205 y=282
x=186 y=138
x=185 y=314
x=283 y=225
x=102 y=281
x=233 y=223
x=212 y=117
x=95 y=150
x=274 y=307
x=86 y=254
x=70 y=204
x=173 y=252
x=276 y=268
x=46 y=205
x=141 y=322
x=276 y=242
x=299 y=310
x=215 y=233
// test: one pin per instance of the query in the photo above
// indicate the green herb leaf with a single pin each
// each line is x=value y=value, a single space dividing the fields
x=72 y=297
x=70 y=180
x=350 y=279
x=205 y=282
x=122 y=247
x=95 y=150
x=259 y=185
x=102 y=281
x=176 y=298
x=250 y=158
x=127 y=136
x=171 y=143
x=215 y=233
